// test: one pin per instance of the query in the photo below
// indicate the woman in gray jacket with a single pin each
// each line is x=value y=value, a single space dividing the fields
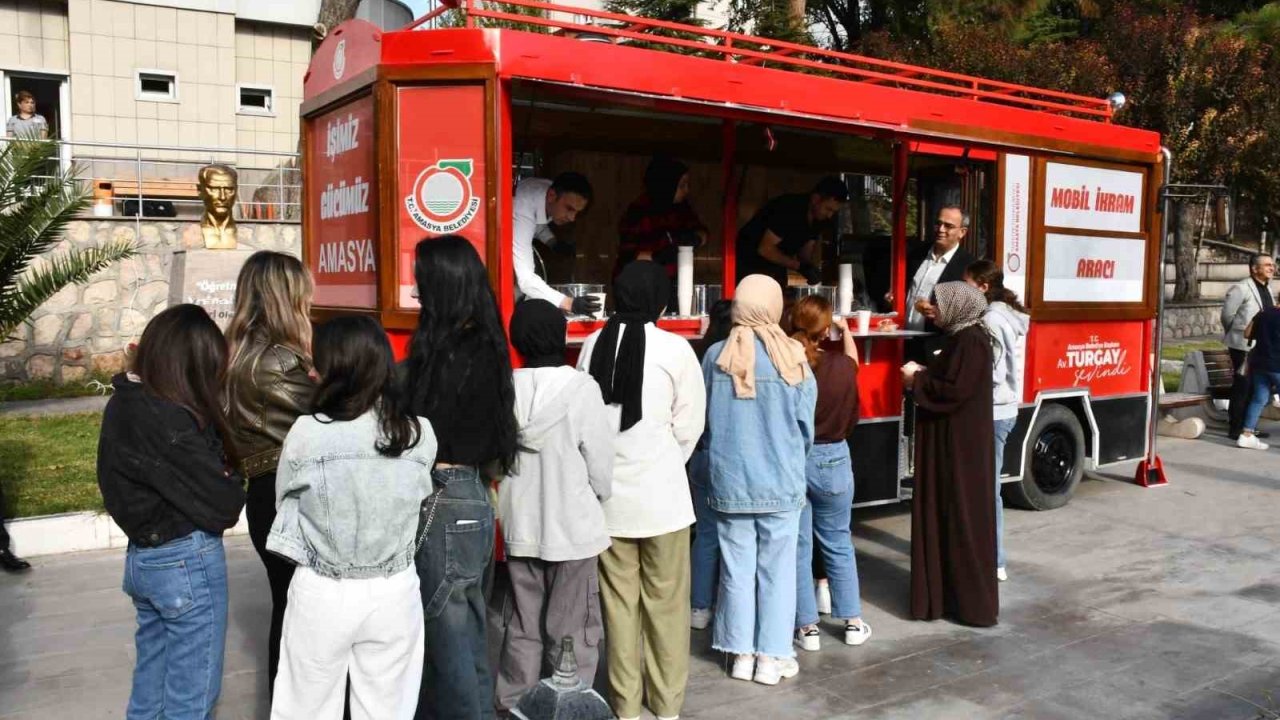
x=553 y=525
x=1007 y=321
x=351 y=479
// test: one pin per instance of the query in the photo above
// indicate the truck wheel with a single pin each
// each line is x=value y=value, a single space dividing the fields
x=1054 y=464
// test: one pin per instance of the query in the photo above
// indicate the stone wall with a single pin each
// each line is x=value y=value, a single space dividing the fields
x=1187 y=320
x=86 y=328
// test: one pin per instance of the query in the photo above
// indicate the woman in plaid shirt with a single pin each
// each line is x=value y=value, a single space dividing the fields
x=660 y=220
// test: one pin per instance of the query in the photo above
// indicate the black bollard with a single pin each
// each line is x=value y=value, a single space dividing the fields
x=563 y=696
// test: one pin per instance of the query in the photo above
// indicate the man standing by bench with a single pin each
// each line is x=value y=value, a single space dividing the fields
x=1244 y=300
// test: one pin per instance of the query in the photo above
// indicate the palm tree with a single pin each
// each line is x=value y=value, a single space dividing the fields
x=34 y=212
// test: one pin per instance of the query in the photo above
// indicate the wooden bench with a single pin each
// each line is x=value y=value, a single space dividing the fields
x=156 y=189
x=1171 y=400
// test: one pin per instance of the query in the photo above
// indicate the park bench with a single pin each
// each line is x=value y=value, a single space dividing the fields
x=1206 y=373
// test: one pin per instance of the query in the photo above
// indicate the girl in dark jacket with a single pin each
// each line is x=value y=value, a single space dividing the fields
x=167 y=479
x=458 y=377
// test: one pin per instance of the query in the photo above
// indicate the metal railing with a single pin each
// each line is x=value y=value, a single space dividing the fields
x=159 y=181
x=752 y=50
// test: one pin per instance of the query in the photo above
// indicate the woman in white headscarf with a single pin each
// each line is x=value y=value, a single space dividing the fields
x=953 y=525
x=760 y=404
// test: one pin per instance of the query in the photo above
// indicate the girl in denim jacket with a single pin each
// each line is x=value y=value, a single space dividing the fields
x=351 y=478
x=760 y=406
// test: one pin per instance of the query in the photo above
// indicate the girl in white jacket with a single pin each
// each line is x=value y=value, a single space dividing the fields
x=1007 y=321
x=553 y=525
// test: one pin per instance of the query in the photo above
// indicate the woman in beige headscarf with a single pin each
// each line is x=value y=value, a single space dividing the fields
x=760 y=403
x=953 y=524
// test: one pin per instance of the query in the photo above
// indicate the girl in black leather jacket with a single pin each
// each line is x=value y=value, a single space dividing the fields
x=269 y=385
x=168 y=480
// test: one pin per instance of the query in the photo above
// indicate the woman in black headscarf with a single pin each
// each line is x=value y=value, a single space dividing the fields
x=651 y=381
x=660 y=220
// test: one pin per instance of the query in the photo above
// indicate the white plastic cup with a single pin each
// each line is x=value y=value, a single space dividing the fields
x=844 y=290
x=684 y=281
x=864 y=322
x=599 y=314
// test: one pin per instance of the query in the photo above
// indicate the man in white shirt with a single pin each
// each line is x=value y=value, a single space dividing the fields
x=539 y=203
x=929 y=265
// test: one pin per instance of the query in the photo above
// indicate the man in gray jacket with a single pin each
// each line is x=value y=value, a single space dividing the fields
x=1244 y=300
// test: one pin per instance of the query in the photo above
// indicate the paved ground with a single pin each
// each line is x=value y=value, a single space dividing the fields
x=1129 y=603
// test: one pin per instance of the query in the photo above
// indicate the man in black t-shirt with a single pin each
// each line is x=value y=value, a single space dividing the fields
x=784 y=234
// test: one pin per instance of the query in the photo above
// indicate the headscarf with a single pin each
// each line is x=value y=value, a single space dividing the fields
x=537 y=332
x=960 y=305
x=640 y=294
x=757 y=308
x=661 y=178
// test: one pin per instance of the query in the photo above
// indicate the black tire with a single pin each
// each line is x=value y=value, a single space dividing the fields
x=1054 y=464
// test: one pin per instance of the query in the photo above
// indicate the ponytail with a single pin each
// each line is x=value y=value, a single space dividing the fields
x=985 y=272
x=810 y=322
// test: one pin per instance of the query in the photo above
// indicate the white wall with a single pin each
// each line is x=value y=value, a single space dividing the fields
x=33 y=36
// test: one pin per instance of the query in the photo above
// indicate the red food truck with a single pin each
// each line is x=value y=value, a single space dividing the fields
x=422 y=132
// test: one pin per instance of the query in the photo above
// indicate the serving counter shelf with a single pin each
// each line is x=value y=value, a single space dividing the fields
x=687 y=327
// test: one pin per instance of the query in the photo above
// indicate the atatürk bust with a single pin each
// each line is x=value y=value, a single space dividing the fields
x=218 y=185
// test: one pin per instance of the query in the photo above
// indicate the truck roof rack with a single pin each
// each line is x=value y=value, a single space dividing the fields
x=665 y=36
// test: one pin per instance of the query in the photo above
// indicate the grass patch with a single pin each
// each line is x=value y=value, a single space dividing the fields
x=49 y=464
x=1179 y=350
x=49 y=390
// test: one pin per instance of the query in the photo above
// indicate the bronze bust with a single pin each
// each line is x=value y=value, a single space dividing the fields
x=218 y=185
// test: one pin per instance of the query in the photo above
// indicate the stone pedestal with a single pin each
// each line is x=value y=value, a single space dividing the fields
x=207 y=278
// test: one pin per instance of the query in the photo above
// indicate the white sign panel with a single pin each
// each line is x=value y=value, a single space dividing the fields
x=1094 y=269
x=1086 y=198
x=1017 y=211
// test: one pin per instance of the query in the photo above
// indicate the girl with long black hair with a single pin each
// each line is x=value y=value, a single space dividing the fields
x=458 y=376
x=352 y=475
x=166 y=470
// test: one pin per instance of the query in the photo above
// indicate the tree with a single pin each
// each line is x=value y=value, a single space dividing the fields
x=332 y=14
x=34 y=212
x=680 y=11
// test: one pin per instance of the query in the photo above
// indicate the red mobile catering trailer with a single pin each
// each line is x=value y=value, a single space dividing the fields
x=422 y=132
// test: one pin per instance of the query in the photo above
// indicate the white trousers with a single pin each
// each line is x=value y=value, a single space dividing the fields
x=368 y=629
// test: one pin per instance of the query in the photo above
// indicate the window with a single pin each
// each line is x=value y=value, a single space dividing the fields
x=157 y=85
x=255 y=100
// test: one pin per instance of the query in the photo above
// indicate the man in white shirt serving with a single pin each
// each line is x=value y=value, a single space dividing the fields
x=927 y=266
x=539 y=203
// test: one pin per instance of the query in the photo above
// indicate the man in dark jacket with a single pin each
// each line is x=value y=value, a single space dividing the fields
x=928 y=266
x=9 y=561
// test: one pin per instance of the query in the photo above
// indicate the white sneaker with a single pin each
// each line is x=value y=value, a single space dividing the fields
x=823 y=596
x=809 y=638
x=1001 y=574
x=1250 y=442
x=700 y=618
x=743 y=667
x=771 y=670
x=856 y=634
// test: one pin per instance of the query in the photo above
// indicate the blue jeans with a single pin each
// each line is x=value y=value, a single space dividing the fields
x=706 y=546
x=826 y=517
x=453 y=562
x=1003 y=428
x=757 y=601
x=1262 y=384
x=179 y=590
